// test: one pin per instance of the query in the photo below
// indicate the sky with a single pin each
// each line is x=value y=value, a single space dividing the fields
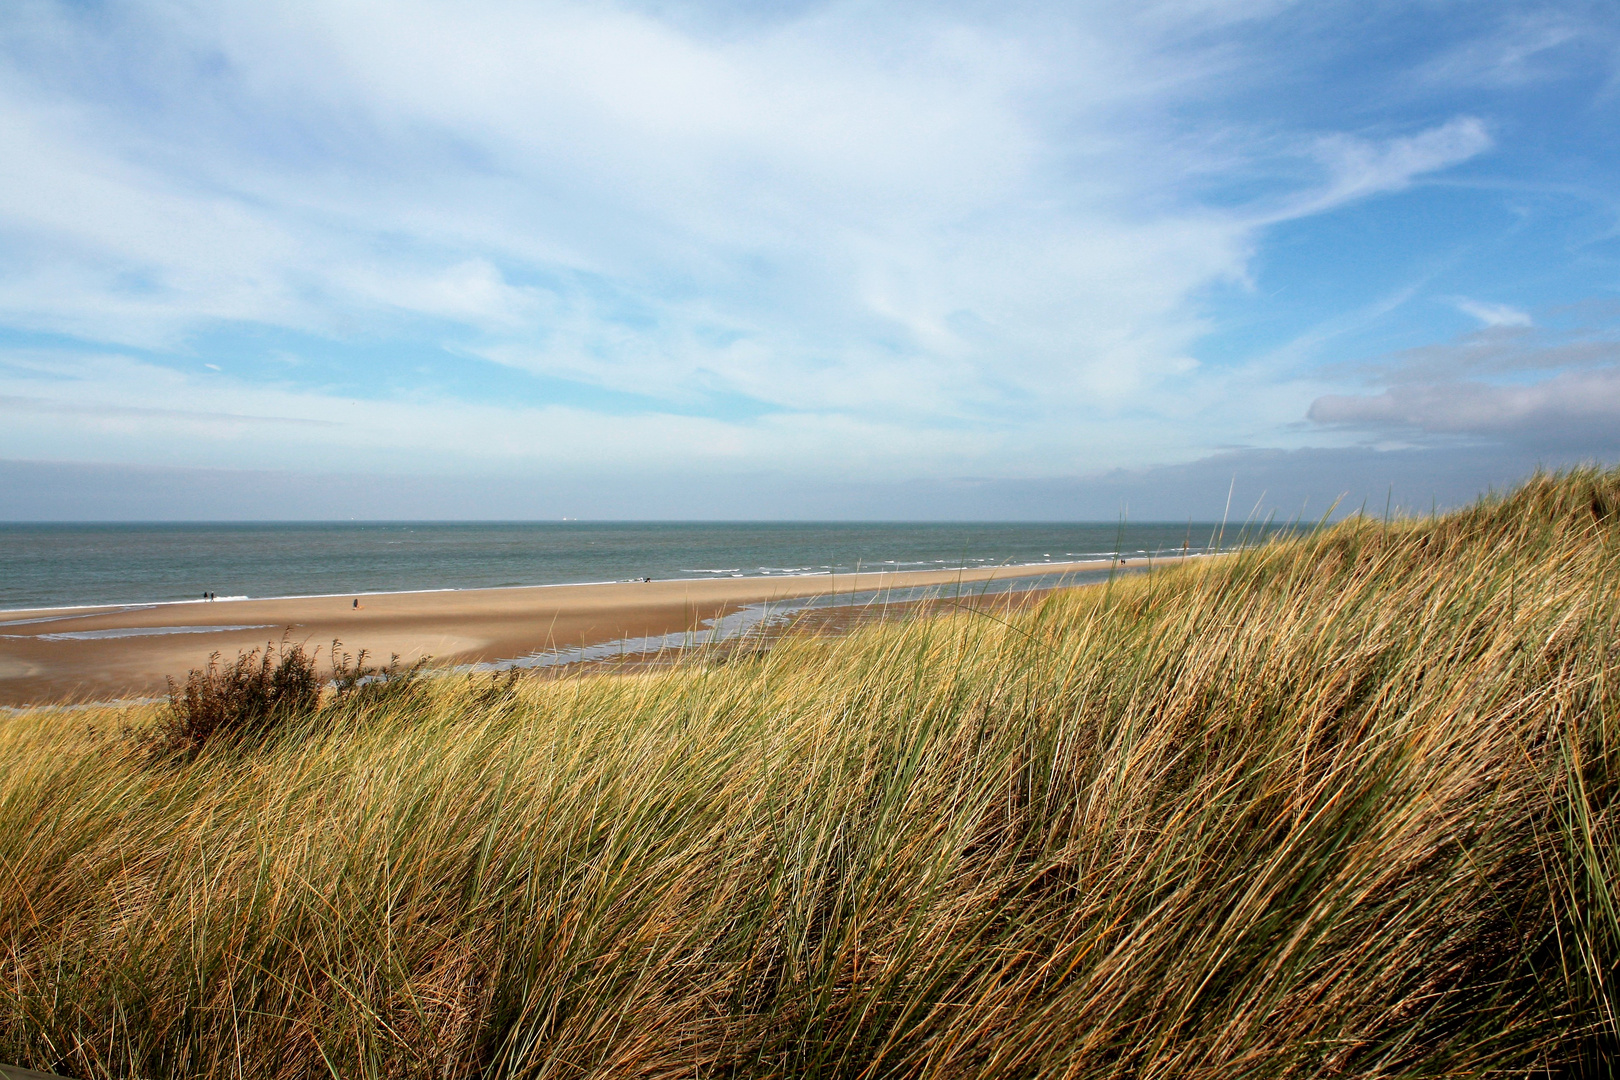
x=1041 y=261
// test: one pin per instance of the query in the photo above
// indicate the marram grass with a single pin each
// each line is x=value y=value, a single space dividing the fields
x=1339 y=806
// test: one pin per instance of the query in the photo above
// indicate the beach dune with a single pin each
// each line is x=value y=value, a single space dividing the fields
x=94 y=654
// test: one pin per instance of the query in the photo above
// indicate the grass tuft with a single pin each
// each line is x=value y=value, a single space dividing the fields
x=264 y=693
x=247 y=699
x=1343 y=805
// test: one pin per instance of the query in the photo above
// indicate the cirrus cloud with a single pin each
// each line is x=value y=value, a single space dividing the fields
x=825 y=238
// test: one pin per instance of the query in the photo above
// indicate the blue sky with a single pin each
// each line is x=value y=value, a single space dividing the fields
x=837 y=259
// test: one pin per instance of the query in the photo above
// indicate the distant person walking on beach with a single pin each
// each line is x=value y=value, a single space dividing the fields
x=357 y=602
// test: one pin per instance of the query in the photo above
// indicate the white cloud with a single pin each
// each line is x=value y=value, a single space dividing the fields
x=474 y=292
x=919 y=237
x=1358 y=167
x=1511 y=347
x=1511 y=54
x=1581 y=408
x=116 y=408
x=1494 y=314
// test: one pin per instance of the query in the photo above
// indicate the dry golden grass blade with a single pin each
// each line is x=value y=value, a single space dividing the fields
x=1339 y=805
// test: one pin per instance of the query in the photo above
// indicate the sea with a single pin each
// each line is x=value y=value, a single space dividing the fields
x=54 y=565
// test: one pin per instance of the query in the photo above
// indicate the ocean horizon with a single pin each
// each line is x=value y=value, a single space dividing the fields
x=92 y=564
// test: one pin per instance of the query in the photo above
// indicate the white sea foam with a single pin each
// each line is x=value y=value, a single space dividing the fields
x=64 y=569
x=64 y=618
x=78 y=706
x=136 y=631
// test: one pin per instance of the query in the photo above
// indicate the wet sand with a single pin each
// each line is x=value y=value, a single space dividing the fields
x=95 y=654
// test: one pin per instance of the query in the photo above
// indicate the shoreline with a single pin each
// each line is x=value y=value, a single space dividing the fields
x=53 y=656
x=1011 y=568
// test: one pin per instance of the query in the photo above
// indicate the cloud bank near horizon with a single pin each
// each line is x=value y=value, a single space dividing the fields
x=820 y=242
x=1241 y=486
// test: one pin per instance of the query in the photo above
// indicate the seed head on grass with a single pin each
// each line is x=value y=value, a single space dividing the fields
x=1341 y=805
x=262 y=691
x=245 y=699
x=356 y=683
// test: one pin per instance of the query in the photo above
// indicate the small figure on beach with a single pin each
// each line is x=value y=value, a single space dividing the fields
x=357 y=602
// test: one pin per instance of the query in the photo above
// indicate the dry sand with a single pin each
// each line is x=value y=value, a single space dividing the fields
x=39 y=666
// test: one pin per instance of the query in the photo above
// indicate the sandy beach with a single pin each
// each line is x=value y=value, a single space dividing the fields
x=92 y=654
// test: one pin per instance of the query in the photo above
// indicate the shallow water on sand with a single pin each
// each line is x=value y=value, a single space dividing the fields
x=64 y=565
x=761 y=618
